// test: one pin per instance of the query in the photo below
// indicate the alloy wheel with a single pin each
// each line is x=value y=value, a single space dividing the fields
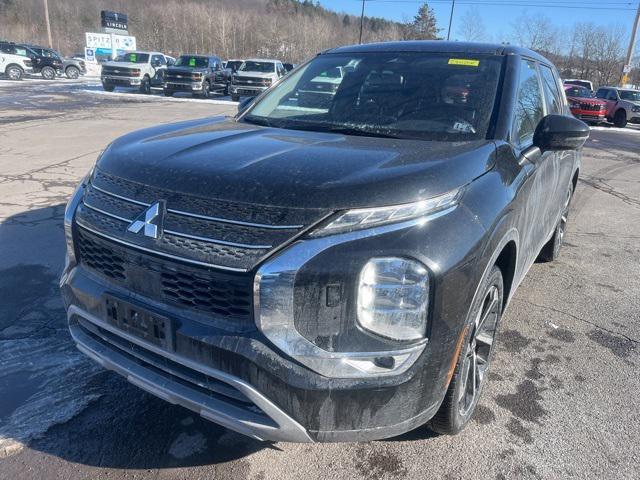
x=478 y=351
x=14 y=73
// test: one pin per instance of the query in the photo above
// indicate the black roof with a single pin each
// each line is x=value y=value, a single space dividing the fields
x=440 y=46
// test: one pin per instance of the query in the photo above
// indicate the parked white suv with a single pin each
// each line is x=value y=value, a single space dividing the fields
x=254 y=76
x=135 y=69
x=14 y=62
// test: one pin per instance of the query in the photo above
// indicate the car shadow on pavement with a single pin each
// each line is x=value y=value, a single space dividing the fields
x=57 y=401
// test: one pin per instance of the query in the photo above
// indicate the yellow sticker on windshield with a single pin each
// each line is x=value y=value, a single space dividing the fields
x=464 y=61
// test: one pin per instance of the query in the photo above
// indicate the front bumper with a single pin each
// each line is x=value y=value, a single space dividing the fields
x=248 y=91
x=590 y=115
x=183 y=86
x=121 y=81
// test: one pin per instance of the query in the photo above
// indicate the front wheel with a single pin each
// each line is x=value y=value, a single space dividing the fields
x=474 y=357
x=620 y=119
x=48 y=73
x=145 y=86
x=13 y=72
x=235 y=97
x=108 y=88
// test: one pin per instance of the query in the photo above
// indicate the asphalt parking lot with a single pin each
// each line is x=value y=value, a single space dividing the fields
x=562 y=401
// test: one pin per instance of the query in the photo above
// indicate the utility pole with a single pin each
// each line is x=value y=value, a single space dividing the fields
x=453 y=4
x=627 y=64
x=46 y=18
x=361 y=20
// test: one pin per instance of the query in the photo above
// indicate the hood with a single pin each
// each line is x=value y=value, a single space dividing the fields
x=255 y=74
x=113 y=63
x=590 y=101
x=186 y=70
x=228 y=160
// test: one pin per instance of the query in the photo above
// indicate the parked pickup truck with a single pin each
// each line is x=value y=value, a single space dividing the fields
x=254 y=76
x=197 y=74
x=328 y=274
x=623 y=105
x=142 y=70
x=14 y=61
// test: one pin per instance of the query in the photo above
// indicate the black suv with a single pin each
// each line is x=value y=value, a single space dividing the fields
x=328 y=271
x=71 y=67
x=45 y=62
x=198 y=74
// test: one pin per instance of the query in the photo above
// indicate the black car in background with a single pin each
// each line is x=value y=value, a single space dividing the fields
x=233 y=64
x=288 y=66
x=45 y=62
x=197 y=74
x=328 y=271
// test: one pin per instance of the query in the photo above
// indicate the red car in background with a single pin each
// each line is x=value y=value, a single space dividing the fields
x=584 y=106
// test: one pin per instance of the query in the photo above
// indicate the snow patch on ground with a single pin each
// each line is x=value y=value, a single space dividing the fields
x=157 y=98
x=630 y=128
x=58 y=376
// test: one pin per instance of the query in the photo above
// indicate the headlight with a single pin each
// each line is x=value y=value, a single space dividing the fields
x=369 y=217
x=393 y=295
x=636 y=108
x=574 y=105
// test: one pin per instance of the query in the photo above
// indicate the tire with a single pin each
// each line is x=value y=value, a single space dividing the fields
x=14 y=72
x=48 y=73
x=72 y=72
x=168 y=93
x=206 y=90
x=235 y=97
x=476 y=351
x=225 y=92
x=108 y=88
x=620 y=119
x=145 y=85
x=551 y=251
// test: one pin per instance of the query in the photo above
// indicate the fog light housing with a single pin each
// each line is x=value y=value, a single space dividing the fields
x=393 y=296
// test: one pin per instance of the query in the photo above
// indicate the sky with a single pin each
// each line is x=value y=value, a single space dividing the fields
x=498 y=15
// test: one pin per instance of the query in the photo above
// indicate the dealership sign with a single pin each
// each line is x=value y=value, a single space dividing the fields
x=114 y=22
x=103 y=41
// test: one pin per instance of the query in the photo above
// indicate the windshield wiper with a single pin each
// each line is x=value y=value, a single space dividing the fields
x=263 y=121
x=360 y=132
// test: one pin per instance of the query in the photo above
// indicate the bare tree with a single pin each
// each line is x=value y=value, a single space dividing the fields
x=472 y=27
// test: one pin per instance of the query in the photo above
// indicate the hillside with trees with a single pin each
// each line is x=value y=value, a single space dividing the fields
x=286 y=29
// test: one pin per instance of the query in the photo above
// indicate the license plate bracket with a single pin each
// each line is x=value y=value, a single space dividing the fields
x=139 y=322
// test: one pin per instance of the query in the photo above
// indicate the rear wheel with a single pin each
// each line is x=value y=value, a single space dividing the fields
x=14 y=72
x=620 y=119
x=474 y=358
x=551 y=250
x=72 y=72
x=48 y=73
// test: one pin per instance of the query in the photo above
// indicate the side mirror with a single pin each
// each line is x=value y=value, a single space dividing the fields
x=242 y=106
x=560 y=132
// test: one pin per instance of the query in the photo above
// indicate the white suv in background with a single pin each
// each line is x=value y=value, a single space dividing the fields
x=254 y=76
x=14 y=62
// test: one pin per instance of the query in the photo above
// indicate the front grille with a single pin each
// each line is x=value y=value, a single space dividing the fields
x=119 y=72
x=252 y=81
x=227 y=296
x=182 y=77
x=206 y=252
x=591 y=107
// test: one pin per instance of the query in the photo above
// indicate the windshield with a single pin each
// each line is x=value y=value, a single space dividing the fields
x=580 y=83
x=133 y=57
x=404 y=95
x=579 y=92
x=262 y=67
x=191 y=61
x=631 y=95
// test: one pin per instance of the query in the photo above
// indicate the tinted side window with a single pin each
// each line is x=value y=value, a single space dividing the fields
x=551 y=90
x=601 y=93
x=612 y=95
x=529 y=109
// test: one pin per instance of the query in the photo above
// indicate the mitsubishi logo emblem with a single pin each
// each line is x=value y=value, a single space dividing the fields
x=150 y=220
